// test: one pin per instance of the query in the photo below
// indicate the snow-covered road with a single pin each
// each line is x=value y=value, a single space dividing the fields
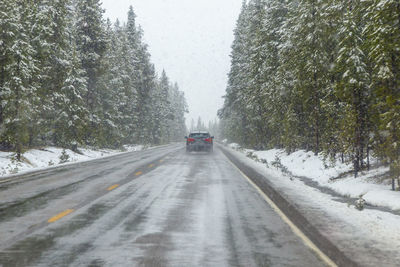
x=160 y=207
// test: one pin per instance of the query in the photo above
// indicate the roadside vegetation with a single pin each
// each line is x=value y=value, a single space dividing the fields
x=69 y=78
x=323 y=76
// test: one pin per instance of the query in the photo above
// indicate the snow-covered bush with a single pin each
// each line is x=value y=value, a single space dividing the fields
x=264 y=161
x=277 y=162
x=64 y=157
x=253 y=156
x=360 y=203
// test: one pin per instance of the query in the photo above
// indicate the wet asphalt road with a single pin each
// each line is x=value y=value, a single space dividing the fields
x=160 y=207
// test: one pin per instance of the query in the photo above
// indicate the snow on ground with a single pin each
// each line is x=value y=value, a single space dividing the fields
x=371 y=237
x=36 y=159
x=306 y=164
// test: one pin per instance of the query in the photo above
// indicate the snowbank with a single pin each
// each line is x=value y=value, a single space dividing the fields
x=314 y=167
x=371 y=237
x=36 y=159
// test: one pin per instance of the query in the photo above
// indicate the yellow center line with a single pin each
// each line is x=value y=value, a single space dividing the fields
x=112 y=187
x=161 y=160
x=138 y=173
x=151 y=165
x=60 y=215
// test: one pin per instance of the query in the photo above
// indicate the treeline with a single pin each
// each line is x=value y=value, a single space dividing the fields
x=317 y=75
x=212 y=128
x=70 y=78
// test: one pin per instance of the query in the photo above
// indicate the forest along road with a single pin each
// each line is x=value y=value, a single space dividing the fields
x=160 y=207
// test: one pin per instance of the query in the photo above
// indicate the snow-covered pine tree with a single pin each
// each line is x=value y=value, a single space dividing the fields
x=200 y=124
x=122 y=84
x=72 y=114
x=60 y=76
x=133 y=36
x=352 y=89
x=234 y=113
x=383 y=40
x=285 y=96
x=17 y=91
x=92 y=46
x=213 y=127
x=108 y=136
x=179 y=108
x=113 y=94
x=332 y=17
x=9 y=27
x=308 y=60
x=147 y=83
x=273 y=86
x=256 y=94
x=61 y=83
x=161 y=110
x=166 y=109
x=192 y=126
x=41 y=41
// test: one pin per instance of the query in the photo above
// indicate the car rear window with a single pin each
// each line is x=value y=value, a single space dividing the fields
x=199 y=135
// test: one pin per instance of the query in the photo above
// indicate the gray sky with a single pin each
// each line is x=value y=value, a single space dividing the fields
x=191 y=40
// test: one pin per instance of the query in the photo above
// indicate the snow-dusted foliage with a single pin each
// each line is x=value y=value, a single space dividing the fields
x=70 y=78
x=18 y=69
x=317 y=75
x=383 y=40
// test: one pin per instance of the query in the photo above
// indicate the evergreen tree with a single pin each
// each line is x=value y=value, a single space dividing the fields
x=178 y=104
x=192 y=125
x=162 y=111
x=17 y=91
x=383 y=41
x=59 y=111
x=92 y=47
x=147 y=83
x=123 y=85
x=200 y=125
x=310 y=69
x=235 y=111
x=352 y=89
x=72 y=113
x=9 y=27
x=274 y=87
x=67 y=79
x=255 y=91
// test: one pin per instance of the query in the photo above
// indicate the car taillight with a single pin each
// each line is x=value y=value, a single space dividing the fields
x=190 y=140
x=208 y=140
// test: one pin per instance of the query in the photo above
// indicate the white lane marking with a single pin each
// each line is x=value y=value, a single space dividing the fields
x=292 y=226
x=5 y=181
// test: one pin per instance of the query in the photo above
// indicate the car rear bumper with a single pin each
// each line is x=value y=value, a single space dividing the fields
x=199 y=147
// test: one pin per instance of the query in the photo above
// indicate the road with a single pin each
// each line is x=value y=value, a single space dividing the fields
x=160 y=207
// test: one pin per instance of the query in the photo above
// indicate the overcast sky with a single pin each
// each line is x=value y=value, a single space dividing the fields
x=191 y=40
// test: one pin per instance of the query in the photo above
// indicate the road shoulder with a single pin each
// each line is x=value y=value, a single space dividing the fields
x=292 y=213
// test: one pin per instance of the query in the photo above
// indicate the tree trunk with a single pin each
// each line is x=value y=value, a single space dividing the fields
x=317 y=115
x=392 y=174
x=18 y=138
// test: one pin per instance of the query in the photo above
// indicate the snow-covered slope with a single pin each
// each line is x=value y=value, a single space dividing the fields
x=36 y=159
x=375 y=191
